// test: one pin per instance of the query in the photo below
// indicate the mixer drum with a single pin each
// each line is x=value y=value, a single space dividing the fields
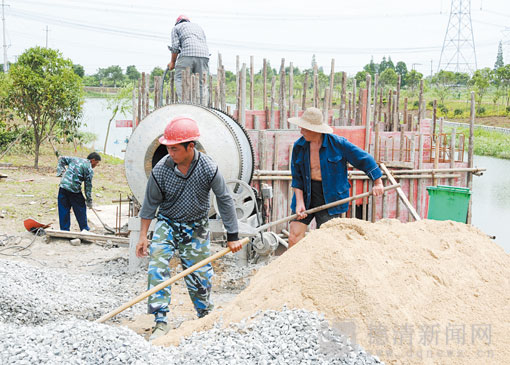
x=221 y=137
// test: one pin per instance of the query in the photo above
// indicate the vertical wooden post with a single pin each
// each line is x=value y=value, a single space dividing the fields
x=273 y=87
x=331 y=83
x=342 y=99
x=367 y=116
x=223 y=92
x=252 y=78
x=420 y=102
x=349 y=109
x=305 y=87
x=315 y=86
x=353 y=203
x=291 y=87
x=389 y=113
x=452 y=153
x=436 y=159
x=470 y=153
x=325 y=112
x=142 y=97
x=434 y=116
x=405 y=113
x=210 y=89
x=401 y=156
x=283 y=111
x=394 y=115
x=242 y=109
x=420 y=166
x=354 y=116
x=135 y=107
x=264 y=91
x=397 y=101
x=256 y=122
x=376 y=90
x=412 y=182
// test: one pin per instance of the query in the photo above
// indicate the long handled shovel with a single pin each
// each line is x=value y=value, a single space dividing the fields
x=109 y=229
x=227 y=250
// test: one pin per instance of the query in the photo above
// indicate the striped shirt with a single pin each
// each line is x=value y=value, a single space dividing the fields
x=188 y=39
x=75 y=170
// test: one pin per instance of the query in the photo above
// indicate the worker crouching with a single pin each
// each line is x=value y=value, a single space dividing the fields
x=180 y=185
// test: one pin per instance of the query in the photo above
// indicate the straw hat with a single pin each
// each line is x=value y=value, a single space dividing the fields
x=312 y=120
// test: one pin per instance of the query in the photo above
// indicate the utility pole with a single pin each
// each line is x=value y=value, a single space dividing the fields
x=6 y=62
x=46 y=36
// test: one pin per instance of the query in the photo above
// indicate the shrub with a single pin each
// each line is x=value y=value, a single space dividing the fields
x=458 y=112
x=480 y=110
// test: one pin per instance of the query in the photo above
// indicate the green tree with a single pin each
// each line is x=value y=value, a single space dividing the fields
x=503 y=76
x=371 y=68
x=481 y=81
x=401 y=69
x=382 y=66
x=388 y=77
x=132 y=73
x=114 y=75
x=46 y=93
x=79 y=70
x=499 y=58
x=443 y=81
x=413 y=78
x=461 y=78
x=390 y=63
x=360 y=77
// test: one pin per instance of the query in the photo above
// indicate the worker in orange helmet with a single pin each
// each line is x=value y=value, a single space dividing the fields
x=189 y=50
x=179 y=185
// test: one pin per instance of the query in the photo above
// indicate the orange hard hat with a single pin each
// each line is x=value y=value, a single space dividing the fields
x=179 y=130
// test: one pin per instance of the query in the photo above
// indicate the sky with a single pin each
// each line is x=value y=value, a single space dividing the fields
x=98 y=34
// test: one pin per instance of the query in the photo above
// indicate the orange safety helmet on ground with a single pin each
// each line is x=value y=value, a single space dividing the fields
x=180 y=18
x=179 y=130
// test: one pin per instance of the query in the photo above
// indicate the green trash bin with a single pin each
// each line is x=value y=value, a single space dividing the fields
x=448 y=203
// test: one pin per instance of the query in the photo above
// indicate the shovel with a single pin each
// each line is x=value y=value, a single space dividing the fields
x=217 y=255
x=109 y=229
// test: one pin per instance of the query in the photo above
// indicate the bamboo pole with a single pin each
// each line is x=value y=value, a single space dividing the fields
x=325 y=111
x=436 y=158
x=405 y=118
x=223 y=92
x=397 y=101
x=420 y=102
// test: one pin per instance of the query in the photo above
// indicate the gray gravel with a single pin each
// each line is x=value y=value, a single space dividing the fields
x=46 y=313
x=33 y=295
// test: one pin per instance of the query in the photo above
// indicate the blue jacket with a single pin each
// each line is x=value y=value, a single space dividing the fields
x=334 y=154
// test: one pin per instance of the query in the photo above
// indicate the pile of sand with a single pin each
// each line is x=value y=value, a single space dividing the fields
x=422 y=292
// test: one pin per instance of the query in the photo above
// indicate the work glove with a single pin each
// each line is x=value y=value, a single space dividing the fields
x=89 y=204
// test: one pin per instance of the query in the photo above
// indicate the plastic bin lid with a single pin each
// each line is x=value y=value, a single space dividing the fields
x=452 y=189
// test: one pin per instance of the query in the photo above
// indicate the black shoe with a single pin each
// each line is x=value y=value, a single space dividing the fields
x=202 y=313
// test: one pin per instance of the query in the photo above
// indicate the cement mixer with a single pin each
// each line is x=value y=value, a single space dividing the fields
x=226 y=142
x=221 y=137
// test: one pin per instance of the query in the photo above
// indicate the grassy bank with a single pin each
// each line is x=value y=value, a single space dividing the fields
x=488 y=143
x=28 y=192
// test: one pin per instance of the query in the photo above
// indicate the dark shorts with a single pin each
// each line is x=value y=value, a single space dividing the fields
x=317 y=199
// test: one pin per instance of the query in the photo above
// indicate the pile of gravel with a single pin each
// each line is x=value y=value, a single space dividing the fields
x=271 y=337
x=34 y=295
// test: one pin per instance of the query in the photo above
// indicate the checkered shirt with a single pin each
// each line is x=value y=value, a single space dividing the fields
x=188 y=39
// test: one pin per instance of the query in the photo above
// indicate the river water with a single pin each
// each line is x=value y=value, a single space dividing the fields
x=491 y=192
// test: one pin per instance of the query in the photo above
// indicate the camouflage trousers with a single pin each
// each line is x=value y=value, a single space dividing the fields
x=191 y=239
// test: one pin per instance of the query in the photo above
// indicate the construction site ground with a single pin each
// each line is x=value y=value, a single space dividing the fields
x=425 y=292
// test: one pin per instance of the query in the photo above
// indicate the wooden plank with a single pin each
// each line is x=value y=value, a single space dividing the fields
x=85 y=236
x=400 y=192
